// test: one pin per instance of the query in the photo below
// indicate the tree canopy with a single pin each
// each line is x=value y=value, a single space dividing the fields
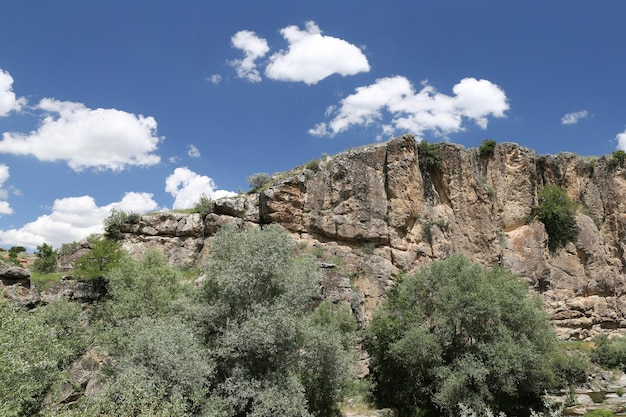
x=455 y=332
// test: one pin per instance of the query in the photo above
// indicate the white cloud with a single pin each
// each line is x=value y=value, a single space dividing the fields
x=5 y=208
x=8 y=101
x=311 y=57
x=621 y=140
x=193 y=152
x=253 y=48
x=87 y=138
x=73 y=219
x=187 y=186
x=215 y=79
x=573 y=118
x=416 y=112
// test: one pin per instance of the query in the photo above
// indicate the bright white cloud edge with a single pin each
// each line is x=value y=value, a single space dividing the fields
x=415 y=111
x=87 y=138
x=72 y=219
x=9 y=102
x=187 y=187
x=253 y=48
x=311 y=56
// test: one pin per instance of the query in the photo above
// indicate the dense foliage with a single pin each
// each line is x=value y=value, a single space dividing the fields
x=487 y=148
x=429 y=156
x=610 y=353
x=46 y=261
x=34 y=348
x=457 y=333
x=104 y=256
x=253 y=340
x=557 y=212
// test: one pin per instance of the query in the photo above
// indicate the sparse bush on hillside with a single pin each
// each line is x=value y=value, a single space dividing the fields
x=258 y=180
x=204 y=205
x=46 y=261
x=557 y=213
x=616 y=159
x=457 y=333
x=68 y=248
x=313 y=165
x=487 y=147
x=429 y=156
x=113 y=223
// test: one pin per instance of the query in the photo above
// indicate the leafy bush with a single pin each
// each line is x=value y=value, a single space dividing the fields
x=162 y=370
x=33 y=349
x=270 y=359
x=103 y=256
x=203 y=206
x=457 y=333
x=46 y=261
x=610 y=353
x=113 y=223
x=617 y=159
x=68 y=249
x=429 y=156
x=557 y=212
x=258 y=180
x=146 y=287
x=133 y=217
x=487 y=147
x=313 y=165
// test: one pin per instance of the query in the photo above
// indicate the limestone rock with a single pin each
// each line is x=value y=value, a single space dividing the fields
x=378 y=197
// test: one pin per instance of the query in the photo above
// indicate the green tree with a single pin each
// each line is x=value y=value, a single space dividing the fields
x=558 y=214
x=46 y=261
x=34 y=347
x=258 y=180
x=255 y=306
x=487 y=148
x=103 y=256
x=429 y=156
x=113 y=223
x=457 y=333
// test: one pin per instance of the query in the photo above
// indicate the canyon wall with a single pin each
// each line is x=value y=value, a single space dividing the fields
x=372 y=212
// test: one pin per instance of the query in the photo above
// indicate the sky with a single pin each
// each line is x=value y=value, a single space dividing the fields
x=144 y=105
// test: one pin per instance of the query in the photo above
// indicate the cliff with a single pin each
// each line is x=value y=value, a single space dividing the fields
x=372 y=212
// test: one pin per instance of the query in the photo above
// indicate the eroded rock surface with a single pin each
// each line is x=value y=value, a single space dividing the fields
x=373 y=212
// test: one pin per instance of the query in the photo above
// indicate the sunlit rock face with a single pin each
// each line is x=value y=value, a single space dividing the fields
x=371 y=213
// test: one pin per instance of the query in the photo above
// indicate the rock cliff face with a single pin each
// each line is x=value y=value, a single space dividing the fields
x=372 y=212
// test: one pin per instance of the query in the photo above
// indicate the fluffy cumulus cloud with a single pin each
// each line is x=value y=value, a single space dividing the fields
x=187 y=186
x=5 y=208
x=311 y=56
x=72 y=219
x=8 y=101
x=393 y=105
x=253 y=48
x=573 y=118
x=87 y=138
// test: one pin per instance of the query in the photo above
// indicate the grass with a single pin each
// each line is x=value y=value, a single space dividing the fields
x=44 y=281
x=577 y=345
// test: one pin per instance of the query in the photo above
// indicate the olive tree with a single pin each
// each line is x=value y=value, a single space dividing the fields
x=455 y=333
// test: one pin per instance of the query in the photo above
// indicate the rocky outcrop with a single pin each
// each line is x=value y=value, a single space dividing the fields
x=373 y=212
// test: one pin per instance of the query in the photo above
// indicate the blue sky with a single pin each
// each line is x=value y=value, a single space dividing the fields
x=145 y=105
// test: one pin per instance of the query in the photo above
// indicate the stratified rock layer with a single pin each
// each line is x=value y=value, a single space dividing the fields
x=372 y=212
